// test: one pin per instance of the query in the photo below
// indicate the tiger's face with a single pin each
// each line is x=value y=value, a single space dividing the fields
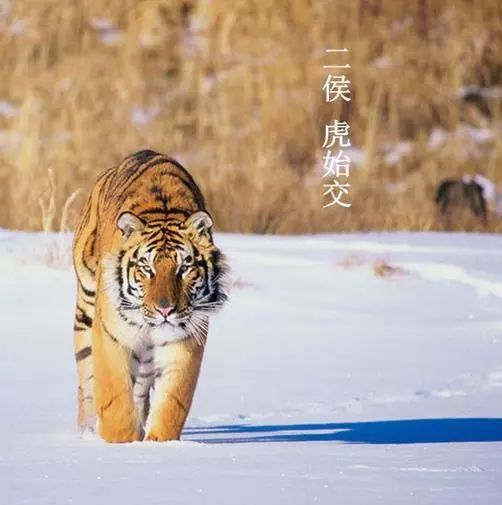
x=168 y=276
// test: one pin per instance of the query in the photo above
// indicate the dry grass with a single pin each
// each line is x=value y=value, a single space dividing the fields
x=382 y=268
x=233 y=90
x=351 y=261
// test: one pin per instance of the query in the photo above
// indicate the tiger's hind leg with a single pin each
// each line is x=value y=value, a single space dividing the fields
x=84 y=314
x=85 y=260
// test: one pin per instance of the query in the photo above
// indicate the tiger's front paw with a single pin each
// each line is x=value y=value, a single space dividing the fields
x=162 y=435
x=120 y=436
x=119 y=429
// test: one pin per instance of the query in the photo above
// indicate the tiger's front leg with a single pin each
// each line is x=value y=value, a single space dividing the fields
x=175 y=382
x=117 y=416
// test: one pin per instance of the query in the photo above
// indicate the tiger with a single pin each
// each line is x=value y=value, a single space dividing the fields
x=148 y=278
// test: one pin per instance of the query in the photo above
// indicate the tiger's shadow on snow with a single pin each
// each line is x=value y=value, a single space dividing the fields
x=400 y=431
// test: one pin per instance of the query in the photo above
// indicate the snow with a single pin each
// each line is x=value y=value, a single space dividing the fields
x=395 y=152
x=143 y=116
x=19 y=27
x=382 y=62
x=493 y=92
x=437 y=138
x=479 y=135
x=110 y=35
x=356 y=155
x=8 y=110
x=322 y=382
x=474 y=141
x=102 y=24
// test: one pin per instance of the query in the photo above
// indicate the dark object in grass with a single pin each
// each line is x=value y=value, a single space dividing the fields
x=463 y=193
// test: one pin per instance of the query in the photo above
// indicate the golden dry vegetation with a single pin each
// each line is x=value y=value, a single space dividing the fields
x=233 y=90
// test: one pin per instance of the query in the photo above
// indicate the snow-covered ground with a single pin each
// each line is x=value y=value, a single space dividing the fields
x=322 y=381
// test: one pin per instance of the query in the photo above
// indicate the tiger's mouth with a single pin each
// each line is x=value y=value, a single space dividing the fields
x=166 y=323
x=174 y=320
x=162 y=322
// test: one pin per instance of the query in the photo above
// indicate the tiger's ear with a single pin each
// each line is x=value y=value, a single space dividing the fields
x=128 y=223
x=199 y=225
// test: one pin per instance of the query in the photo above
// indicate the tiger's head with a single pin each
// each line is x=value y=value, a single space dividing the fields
x=168 y=275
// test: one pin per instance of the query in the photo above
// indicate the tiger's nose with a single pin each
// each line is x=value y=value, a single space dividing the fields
x=164 y=308
x=165 y=311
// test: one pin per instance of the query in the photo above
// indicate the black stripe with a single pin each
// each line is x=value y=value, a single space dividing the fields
x=156 y=244
x=203 y=263
x=105 y=172
x=129 y=178
x=85 y=352
x=190 y=184
x=108 y=333
x=178 y=402
x=152 y=210
x=92 y=244
x=83 y=221
x=179 y=210
x=161 y=197
x=87 y=267
x=83 y=317
x=195 y=189
x=143 y=155
x=119 y=276
x=88 y=292
x=92 y=238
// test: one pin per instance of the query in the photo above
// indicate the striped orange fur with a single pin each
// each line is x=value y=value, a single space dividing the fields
x=148 y=277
